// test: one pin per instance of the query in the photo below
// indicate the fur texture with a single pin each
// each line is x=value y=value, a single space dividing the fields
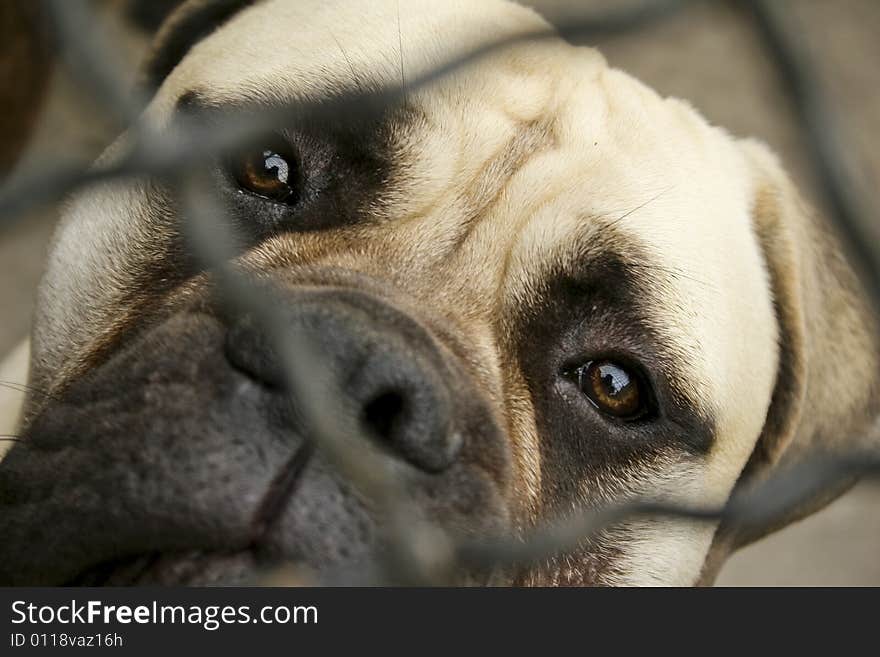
x=537 y=205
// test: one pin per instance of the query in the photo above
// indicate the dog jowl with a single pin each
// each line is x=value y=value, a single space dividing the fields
x=535 y=285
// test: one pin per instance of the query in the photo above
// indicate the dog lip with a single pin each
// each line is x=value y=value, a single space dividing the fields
x=280 y=490
x=200 y=567
x=187 y=568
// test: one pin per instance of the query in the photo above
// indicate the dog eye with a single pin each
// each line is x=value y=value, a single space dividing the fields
x=270 y=171
x=615 y=389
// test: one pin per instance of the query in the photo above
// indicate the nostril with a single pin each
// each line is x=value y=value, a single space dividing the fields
x=385 y=415
x=391 y=385
x=413 y=423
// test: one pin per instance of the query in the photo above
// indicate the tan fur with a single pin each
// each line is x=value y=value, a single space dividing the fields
x=825 y=401
x=529 y=158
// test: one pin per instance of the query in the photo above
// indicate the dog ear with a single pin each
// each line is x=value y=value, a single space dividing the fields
x=825 y=398
x=191 y=22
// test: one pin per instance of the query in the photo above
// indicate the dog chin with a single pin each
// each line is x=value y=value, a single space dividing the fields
x=192 y=568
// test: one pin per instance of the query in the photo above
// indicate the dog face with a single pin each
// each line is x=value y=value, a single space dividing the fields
x=538 y=285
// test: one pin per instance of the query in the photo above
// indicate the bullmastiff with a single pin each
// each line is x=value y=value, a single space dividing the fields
x=539 y=286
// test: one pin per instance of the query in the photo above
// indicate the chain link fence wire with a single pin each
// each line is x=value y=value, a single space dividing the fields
x=413 y=551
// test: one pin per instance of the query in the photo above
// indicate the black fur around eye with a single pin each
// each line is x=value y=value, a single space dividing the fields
x=268 y=170
x=615 y=389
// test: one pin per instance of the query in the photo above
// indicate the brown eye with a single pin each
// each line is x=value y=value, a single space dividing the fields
x=270 y=172
x=614 y=388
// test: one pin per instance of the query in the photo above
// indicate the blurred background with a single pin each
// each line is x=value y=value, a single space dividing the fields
x=707 y=53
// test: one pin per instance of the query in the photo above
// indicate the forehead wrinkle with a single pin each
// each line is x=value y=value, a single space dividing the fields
x=489 y=182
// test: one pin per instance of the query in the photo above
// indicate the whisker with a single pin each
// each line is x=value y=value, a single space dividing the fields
x=673 y=272
x=400 y=53
x=25 y=388
x=637 y=208
x=354 y=76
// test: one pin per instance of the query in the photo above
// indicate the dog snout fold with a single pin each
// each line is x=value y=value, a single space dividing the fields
x=182 y=450
x=384 y=372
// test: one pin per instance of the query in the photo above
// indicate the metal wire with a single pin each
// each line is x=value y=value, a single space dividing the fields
x=171 y=156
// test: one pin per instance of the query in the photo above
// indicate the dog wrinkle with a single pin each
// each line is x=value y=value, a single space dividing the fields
x=499 y=172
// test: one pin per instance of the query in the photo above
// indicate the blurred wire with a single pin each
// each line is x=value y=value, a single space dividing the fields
x=819 y=125
x=173 y=154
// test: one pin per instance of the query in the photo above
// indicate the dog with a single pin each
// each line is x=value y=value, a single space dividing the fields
x=539 y=286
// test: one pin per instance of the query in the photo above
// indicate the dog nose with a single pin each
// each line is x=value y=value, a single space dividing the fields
x=386 y=372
